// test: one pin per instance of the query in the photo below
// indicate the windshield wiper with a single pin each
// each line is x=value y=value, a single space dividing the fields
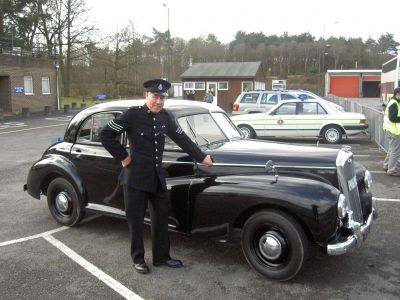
x=192 y=131
x=195 y=135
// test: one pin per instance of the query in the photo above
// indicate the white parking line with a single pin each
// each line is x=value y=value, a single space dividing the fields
x=61 y=119
x=43 y=234
x=11 y=125
x=387 y=200
x=33 y=128
x=107 y=279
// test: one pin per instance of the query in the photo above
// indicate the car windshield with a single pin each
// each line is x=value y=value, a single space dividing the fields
x=206 y=129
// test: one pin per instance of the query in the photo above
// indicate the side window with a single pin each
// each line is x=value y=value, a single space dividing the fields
x=85 y=131
x=249 y=98
x=269 y=98
x=286 y=109
x=321 y=110
x=287 y=97
x=308 y=108
x=91 y=128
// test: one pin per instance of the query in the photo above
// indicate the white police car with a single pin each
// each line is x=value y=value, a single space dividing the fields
x=299 y=118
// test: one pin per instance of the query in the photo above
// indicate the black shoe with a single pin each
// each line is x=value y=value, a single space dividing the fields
x=141 y=268
x=172 y=263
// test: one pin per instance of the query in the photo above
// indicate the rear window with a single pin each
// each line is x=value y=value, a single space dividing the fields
x=249 y=98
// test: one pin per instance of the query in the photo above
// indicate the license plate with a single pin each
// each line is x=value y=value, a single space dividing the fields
x=352 y=183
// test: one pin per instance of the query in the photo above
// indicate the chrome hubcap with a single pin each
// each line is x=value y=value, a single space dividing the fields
x=332 y=135
x=62 y=202
x=271 y=245
x=245 y=132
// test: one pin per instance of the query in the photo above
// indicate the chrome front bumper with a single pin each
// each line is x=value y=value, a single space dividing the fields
x=360 y=232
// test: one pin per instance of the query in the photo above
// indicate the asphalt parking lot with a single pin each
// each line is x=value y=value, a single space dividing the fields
x=39 y=259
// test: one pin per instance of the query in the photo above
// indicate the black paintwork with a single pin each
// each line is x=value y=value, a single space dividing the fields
x=209 y=199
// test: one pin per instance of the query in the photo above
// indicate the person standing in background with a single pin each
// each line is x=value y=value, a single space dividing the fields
x=391 y=124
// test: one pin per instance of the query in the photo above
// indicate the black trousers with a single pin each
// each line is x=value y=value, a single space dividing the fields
x=135 y=205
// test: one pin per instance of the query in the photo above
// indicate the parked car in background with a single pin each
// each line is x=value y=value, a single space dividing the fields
x=302 y=118
x=282 y=197
x=258 y=101
x=306 y=95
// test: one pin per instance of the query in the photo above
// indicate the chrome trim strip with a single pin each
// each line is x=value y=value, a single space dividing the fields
x=106 y=209
x=178 y=162
x=221 y=164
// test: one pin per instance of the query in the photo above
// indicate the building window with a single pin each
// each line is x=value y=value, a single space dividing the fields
x=45 y=85
x=28 y=85
x=197 y=86
x=223 y=85
x=247 y=86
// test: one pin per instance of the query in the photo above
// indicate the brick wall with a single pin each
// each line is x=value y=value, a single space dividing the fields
x=15 y=68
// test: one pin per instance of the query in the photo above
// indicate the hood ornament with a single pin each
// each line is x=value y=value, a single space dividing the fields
x=270 y=167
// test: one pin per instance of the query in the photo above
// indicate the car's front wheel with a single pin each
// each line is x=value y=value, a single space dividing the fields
x=274 y=244
x=332 y=134
x=65 y=204
x=247 y=131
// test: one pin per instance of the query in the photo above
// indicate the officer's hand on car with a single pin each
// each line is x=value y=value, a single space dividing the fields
x=126 y=161
x=208 y=161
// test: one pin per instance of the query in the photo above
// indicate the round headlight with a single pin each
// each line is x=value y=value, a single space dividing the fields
x=368 y=179
x=342 y=206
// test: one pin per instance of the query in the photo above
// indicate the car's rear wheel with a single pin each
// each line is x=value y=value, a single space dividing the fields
x=247 y=131
x=332 y=134
x=274 y=245
x=65 y=204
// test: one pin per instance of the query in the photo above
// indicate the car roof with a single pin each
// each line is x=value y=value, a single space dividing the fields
x=176 y=106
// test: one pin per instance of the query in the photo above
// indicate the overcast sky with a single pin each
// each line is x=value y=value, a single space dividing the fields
x=190 y=18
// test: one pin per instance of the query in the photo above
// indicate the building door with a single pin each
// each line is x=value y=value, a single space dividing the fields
x=345 y=86
x=5 y=94
x=214 y=88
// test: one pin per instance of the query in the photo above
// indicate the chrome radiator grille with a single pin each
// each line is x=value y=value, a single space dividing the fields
x=348 y=183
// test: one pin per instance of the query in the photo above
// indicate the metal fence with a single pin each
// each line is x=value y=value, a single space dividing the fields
x=374 y=117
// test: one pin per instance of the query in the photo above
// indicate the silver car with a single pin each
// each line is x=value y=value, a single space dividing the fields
x=259 y=101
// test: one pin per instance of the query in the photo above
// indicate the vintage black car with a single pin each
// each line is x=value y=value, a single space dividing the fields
x=281 y=196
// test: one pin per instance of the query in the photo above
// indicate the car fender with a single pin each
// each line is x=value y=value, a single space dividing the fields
x=230 y=200
x=324 y=125
x=49 y=167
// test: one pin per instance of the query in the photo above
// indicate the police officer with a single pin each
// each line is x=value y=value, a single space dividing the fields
x=391 y=124
x=142 y=176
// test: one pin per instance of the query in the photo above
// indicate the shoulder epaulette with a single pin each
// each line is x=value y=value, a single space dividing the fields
x=135 y=107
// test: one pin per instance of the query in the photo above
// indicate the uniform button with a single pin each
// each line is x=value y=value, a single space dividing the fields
x=154 y=127
x=141 y=133
x=154 y=119
x=155 y=142
x=156 y=157
x=156 y=149
x=155 y=134
x=156 y=165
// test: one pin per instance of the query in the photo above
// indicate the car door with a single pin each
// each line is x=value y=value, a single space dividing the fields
x=268 y=100
x=311 y=116
x=282 y=121
x=98 y=169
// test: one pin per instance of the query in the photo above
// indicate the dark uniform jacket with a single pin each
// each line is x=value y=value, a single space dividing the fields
x=146 y=133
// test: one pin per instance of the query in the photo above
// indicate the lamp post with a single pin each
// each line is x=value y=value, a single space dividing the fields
x=57 y=87
x=321 y=81
x=165 y=5
x=168 y=45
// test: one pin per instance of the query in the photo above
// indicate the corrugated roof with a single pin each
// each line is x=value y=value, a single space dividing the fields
x=222 y=69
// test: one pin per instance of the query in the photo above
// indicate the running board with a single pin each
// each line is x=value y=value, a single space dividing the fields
x=112 y=211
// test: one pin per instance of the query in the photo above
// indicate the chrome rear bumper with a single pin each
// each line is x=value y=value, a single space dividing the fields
x=360 y=232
